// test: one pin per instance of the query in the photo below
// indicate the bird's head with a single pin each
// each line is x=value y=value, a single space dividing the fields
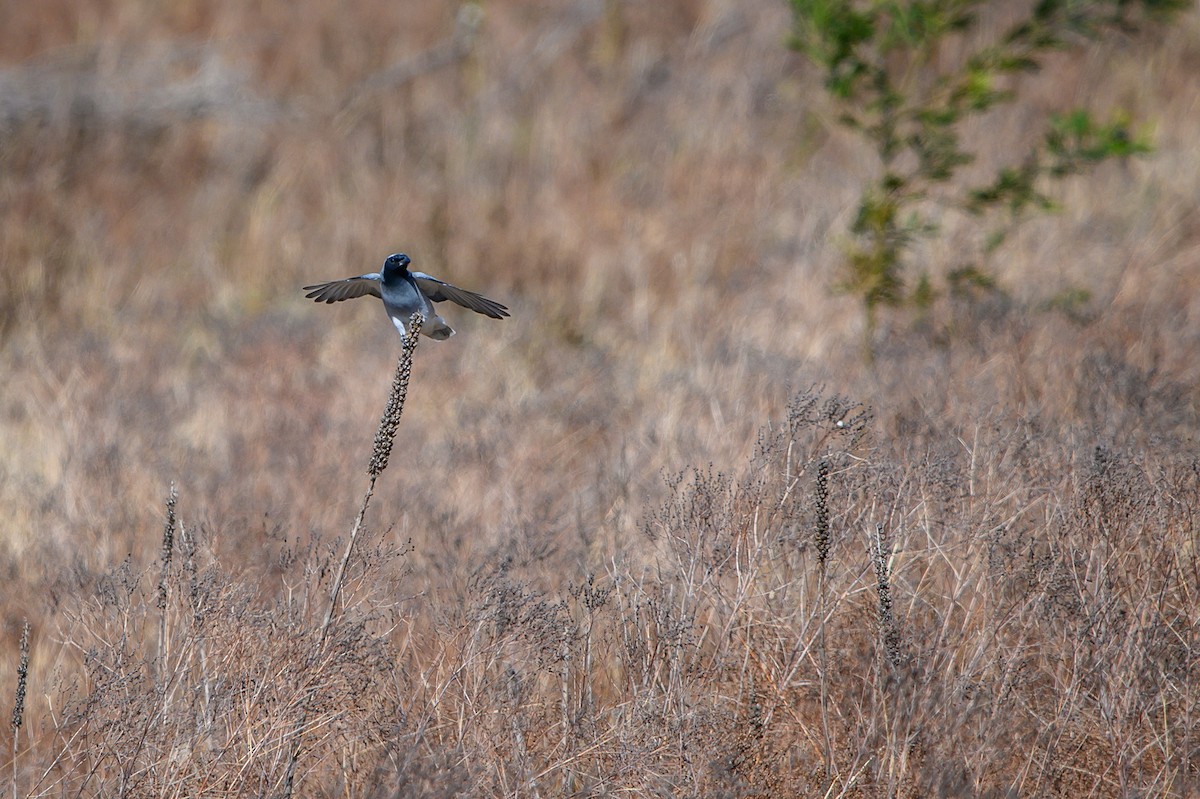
x=397 y=262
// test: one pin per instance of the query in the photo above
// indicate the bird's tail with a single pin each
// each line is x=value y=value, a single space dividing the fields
x=437 y=329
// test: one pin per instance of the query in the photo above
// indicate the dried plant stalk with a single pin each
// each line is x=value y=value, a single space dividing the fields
x=887 y=620
x=18 y=714
x=385 y=436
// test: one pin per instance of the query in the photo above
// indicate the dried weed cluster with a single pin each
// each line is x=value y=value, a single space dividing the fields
x=973 y=628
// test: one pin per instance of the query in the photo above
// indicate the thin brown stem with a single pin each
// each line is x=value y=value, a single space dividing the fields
x=385 y=436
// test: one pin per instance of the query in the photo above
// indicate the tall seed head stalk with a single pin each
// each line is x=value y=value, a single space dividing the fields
x=887 y=620
x=18 y=714
x=822 y=512
x=386 y=434
x=168 y=546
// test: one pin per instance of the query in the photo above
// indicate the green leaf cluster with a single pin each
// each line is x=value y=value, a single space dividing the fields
x=883 y=61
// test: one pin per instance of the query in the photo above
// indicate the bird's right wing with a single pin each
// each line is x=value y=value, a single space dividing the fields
x=348 y=289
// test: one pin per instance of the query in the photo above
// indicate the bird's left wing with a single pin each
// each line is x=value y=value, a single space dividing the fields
x=348 y=289
x=438 y=291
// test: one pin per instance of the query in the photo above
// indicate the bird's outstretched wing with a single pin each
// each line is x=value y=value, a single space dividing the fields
x=348 y=289
x=438 y=291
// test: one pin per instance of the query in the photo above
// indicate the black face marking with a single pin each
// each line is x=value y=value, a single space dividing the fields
x=397 y=260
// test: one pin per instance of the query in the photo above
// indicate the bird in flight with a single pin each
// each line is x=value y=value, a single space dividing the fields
x=405 y=292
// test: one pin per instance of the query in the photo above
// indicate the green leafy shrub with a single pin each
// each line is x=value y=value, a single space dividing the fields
x=882 y=63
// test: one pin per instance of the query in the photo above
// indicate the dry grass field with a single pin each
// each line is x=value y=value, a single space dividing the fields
x=664 y=532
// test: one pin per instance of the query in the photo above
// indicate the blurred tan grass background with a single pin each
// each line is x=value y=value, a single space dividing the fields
x=657 y=191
